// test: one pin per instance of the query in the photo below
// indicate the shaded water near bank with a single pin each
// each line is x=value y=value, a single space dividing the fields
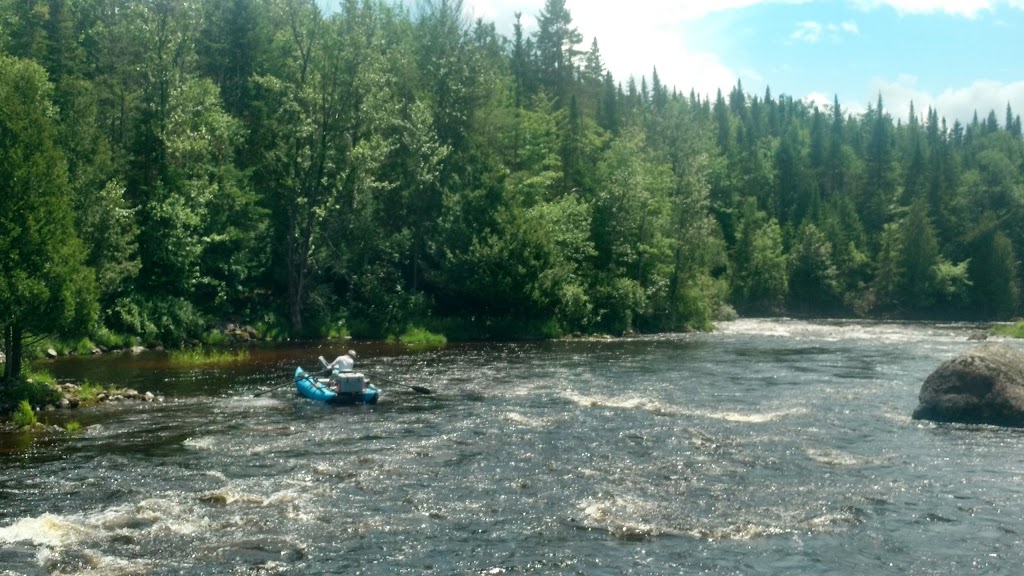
x=767 y=447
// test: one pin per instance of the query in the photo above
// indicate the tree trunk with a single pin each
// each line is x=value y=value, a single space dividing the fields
x=13 y=349
x=7 y=350
x=296 y=281
x=295 y=297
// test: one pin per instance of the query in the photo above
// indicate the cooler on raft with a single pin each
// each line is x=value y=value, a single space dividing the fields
x=348 y=382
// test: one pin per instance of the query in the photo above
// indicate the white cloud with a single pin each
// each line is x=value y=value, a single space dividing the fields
x=818 y=99
x=814 y=32
x=695 y=9
x=966 y=8
x=641 y=35
x=982 y=96
x=809 y=32
x=652 y=35
x=669 y=35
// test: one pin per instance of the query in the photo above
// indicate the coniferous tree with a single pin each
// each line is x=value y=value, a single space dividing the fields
x=556 y=43
x=377 y=165
x=993 y=270
x=760 y=281
x=813 y=277
x=879 y=185
x=45 y=286
x=917 y=287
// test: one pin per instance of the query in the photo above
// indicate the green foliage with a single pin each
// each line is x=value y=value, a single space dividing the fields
x=83 y=347
x=952 y=283
x=200 y=356
x=35 y=388
x=45 y=286
x=110 y=340
x=110 y=231
x=72 y=427
x=420 y=338
x=88 y=391
x=993 y=271
x=359 y=171
x=1015 y=330
x=272 y=328
x=337 y=331
x=23 y=417
x=214 y=338
x=918 y=257
x=170 y=320
x=701 y=300
x=813 y=277
x=760 y=282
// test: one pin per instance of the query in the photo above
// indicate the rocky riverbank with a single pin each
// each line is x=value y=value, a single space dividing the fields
x=222 y=335
x=73 y=396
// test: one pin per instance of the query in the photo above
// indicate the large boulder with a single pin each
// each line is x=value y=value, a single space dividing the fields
x=984 y=385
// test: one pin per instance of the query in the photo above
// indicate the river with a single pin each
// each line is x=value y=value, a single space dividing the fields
x=765 y=447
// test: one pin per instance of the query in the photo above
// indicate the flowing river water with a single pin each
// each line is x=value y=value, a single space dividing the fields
x=765 y=447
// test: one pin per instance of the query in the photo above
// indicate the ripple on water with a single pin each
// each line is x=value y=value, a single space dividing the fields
x=632 y=402
x=49 y=530
x=752 y=417
x=774 y=447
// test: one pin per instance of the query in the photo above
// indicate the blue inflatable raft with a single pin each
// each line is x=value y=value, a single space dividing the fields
x=340 y=388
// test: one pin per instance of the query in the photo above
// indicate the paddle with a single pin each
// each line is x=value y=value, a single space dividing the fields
x=261 y=393
x=418 y=389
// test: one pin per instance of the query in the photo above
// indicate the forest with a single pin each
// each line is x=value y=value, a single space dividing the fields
x=169 y=164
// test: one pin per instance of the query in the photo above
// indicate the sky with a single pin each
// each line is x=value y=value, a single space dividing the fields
x=958 y=56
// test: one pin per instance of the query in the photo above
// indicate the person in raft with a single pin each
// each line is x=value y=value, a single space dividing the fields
x=344 y=363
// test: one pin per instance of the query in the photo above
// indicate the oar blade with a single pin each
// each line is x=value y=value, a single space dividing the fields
x=422 y=390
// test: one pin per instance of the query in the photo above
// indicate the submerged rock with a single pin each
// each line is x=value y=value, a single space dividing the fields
x=984 y=385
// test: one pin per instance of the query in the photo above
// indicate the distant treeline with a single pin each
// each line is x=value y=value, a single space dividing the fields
x=166 y=163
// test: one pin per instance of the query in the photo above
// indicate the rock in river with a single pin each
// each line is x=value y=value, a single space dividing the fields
x=984 y=385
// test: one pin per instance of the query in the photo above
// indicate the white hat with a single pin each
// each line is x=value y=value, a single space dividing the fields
x=352 y=353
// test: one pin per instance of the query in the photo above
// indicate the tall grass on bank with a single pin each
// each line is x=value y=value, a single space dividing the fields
x=88 y=391
x=1015 y=330
x=23 y=416
x=200 y=356
x=419 y=338
x=38 y=388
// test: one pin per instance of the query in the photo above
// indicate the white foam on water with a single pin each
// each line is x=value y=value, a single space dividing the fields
x=98 y=564
x=169 y=514
x=286 y=497
x=216 y=474
x=227 y=497
x=526 y=421
x=752 y=417
x=207 y=443
x=618 y=517
x=836 y=521
x=630 y=517
x=632 y=403
x=902 y=418
x=635 y=519
x=737 y=531
x=49 y=530
x=245 y=403
x=834 y=457
x=894 y=332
